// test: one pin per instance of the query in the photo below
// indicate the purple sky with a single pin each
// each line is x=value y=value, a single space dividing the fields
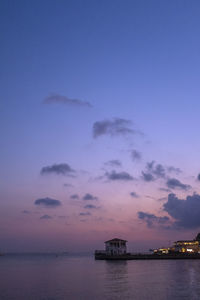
x=99 y=123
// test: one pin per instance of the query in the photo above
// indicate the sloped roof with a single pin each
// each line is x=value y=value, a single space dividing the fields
x=115 y=240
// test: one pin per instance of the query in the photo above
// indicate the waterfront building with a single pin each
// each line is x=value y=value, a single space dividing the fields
x=115 y=247
x=189 y=246
x=162 y=251
x=182 y=246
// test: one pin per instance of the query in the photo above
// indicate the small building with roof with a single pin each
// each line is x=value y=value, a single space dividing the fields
x=115 y=247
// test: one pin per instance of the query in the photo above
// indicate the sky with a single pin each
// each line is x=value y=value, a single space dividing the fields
x=99 y=120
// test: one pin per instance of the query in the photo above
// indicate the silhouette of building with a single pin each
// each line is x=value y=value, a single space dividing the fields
x=115 y=247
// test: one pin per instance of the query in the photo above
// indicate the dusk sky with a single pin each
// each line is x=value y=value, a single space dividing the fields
x=99 y=115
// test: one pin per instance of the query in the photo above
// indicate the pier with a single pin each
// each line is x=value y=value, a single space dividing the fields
x=141 y=256
x=116 y=249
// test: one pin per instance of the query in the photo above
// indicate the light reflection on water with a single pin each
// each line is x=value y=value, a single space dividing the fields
x=116 y=280
x=49 y=277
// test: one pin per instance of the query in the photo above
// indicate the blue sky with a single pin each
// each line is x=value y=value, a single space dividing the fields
x=134 y=60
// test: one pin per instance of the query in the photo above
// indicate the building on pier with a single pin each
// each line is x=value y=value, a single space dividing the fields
x=115 y=247
x=182 y=246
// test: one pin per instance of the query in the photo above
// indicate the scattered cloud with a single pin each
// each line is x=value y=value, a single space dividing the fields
x=111 y=220
x=62 y=217
x=67 y=185
x=124 y=176
x=155 y=171
x=147 y=176
x=150 y=197
x=48 y=202
x=173 y=169
x=56 y=98
x=74 y=196
x=165 y=190
x=89 y=197
x=58 y=169
x=26 y=212
x=134 y=195
x=152 y=220
x=174 y=183
x=45 y=217
x=113 y=163
x=136 y=155
x=114 y=127
x=162 y=199
x=185 y=212
x=91 y=206
x=85 y=214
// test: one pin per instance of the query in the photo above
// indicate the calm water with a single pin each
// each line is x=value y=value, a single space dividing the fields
x=81 y=277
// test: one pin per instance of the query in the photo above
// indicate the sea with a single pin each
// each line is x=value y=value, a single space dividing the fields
x=80 y=276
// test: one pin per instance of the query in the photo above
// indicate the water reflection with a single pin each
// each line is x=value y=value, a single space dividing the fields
x=116 y=280
x=158 y=280
x=184 y=278
x=46 y=277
